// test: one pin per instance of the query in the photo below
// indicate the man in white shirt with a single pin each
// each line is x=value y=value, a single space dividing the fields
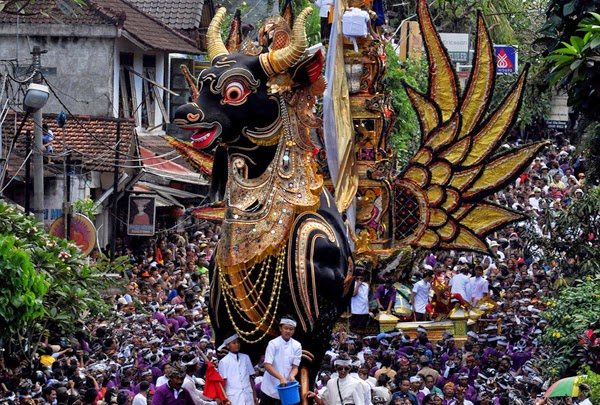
x=461 y=286
x=142 y=397
x=282 y=359
x=479 y=286
x=190 y=362
x=325 y=7
x=359 y=303
x=419 y=298
x=238 y=373
x=342 y=389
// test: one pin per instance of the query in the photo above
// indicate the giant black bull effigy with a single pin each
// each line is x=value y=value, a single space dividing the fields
x=283 y=248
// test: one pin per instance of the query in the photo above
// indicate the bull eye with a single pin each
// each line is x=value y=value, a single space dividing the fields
x=235 y=93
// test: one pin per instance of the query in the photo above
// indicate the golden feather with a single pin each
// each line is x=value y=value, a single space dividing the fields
x=447 y=181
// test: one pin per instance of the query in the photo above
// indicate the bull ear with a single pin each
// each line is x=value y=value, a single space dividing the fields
x=219 y=175
x=309 y=70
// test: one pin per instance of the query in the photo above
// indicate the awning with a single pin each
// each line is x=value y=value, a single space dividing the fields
x=166 y=168
x=166 y=196
x=162 y=199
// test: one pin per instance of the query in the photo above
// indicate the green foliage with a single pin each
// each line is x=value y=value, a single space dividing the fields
x=568 y=35
x=569 y=59
x=313 y=24
x=590 y=147
x=86 y=207
x=573 y=246
x=460 y=16
x=22 y=288
x=562 y=20
x=74 y=288
x=313 y=27
x=248 y=14
x=593 y=380
x=405 y=137
x=569 y=317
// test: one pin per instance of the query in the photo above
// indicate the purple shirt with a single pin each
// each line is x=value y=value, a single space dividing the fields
x=160 y=317
x=386 y=296
x=165 y=395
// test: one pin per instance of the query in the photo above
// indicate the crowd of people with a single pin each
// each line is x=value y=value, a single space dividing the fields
x=157 y=347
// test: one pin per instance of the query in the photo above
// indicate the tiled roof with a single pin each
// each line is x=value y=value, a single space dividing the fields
x=91 y=140
x=54 y=12
x=145 y=28
x=142 y=27
x=179 y=14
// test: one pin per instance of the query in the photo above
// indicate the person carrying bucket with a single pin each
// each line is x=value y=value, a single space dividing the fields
x=282 y=359
x=343 y=389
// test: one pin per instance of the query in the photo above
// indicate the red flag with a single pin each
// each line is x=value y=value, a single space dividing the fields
x=159 y=256
x=213 y=387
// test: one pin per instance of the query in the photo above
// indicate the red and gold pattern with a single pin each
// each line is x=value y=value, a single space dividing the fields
x=440 y=196
x=210 y=213
x=201 y=161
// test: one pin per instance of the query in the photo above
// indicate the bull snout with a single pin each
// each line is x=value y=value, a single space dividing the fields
x=188 y=116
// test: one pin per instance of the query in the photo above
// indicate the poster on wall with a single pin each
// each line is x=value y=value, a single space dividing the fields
x=142 y=214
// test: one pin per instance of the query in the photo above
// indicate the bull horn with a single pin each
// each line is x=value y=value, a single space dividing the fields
x=216 y=47
x=282 y=59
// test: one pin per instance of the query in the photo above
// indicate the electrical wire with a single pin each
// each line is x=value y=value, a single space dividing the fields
x=89 y=158
x=112 y=149
x=161 y=230
x=128 y=167
x=17 y=172
x=51 y=87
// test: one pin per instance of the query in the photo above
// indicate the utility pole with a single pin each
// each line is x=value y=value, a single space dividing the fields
x=113 y=242
x=62 y=122
x=67 y=201
x=27 y=172
x=38 y=145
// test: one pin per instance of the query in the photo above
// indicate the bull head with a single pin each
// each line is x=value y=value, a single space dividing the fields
x=233 y=96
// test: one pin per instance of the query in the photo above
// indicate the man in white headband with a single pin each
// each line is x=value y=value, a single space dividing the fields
x=238 y=373
x=343 y=389
x=282 y=359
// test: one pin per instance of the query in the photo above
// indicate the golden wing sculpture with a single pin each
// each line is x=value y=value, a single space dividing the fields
x=440 y=197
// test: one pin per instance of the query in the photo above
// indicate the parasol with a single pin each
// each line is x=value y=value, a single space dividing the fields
x=566 y=387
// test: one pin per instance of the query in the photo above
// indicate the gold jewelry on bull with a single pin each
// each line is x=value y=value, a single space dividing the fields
x=258 y=220
x=263 y=318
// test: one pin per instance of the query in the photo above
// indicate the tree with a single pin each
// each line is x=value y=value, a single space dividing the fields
x=73 y=289
x=574 y=66
x=570 y=237
x=23 y=290
x=405 y=137
x=572 y=317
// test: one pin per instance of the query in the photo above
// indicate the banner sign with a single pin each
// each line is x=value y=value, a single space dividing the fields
x=142 y=215
x=552 y=124
x=507 y=59
x=457 y=45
